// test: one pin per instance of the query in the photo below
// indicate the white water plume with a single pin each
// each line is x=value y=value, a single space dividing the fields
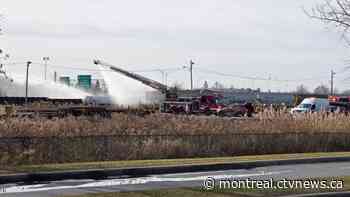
x=123 y=90
x=39 y=88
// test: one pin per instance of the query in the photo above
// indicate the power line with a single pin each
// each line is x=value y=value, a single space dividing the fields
x=93 y=70
x=175 y=69
x=108 y=70
x=257 y=78
x=15 y=63
x=228 y=75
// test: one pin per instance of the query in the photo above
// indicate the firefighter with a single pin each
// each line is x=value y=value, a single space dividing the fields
x=250 y=109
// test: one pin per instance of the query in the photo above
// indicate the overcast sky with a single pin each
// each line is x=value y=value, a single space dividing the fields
x=240 y=37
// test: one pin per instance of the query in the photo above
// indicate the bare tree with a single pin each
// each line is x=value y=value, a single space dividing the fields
x=177 y=86
x=322 y=89
x=301 y=89
x=335 y=12
x=205 y=85
x=218 y=86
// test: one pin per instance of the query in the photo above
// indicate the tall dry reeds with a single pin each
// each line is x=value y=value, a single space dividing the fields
x=167 y=124
x=157 y=136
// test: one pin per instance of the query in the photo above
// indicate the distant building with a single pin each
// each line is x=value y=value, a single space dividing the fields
x=65 y=80
x=84 y=82
x=231 y=96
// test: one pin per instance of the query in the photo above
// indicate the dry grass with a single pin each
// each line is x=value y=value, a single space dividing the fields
x=165 y=124
x=164 y=136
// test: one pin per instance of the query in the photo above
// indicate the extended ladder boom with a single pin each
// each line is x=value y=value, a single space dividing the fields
x=149 y=82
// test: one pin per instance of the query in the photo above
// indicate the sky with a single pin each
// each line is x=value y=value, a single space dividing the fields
x=227 y=40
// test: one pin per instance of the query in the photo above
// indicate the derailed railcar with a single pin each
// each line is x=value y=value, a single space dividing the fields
x=206 y=105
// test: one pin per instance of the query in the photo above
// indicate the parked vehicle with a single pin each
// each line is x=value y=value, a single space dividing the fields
x=340 y=103
x=312 y=105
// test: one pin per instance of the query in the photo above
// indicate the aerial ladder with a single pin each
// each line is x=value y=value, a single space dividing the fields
x=205 y=104
x=164 y=89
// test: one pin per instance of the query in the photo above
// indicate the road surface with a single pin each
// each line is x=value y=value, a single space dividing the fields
x=117 y=184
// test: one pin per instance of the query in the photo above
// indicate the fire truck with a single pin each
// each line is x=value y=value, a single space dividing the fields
x=340 y=103
x=207 y=105
x=203 y=104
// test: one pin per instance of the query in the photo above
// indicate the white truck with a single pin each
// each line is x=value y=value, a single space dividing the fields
x=312 y=105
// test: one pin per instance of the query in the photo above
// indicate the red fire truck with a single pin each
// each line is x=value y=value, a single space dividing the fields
x=204 y=104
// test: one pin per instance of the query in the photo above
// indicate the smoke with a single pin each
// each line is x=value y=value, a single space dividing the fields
x=39 y=88
x=123 y=90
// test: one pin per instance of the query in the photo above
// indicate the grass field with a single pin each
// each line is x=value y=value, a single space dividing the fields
x=165 y=124
x=164 y=162
x=163 y=136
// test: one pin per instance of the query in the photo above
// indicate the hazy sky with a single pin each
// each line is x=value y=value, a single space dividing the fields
x=240 y=37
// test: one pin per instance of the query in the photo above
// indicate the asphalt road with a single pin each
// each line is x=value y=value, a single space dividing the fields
x=74 y=187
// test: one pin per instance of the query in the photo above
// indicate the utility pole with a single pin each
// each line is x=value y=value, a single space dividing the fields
x=332 y=82
x=270 y=78
x=191 y=71
x=46 y=59
x=164 y=76
x=26 y=100
x=166 y=79
x=55 y=76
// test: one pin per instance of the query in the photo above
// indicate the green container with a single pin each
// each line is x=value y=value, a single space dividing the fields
x=84 y=81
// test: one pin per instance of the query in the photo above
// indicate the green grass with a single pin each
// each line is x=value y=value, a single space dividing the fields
x=193 y=192
x=164 y=162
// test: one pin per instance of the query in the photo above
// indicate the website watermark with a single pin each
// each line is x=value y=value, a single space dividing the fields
x=308 y=184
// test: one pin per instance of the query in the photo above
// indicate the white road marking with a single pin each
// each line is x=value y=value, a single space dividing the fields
x=345 y=168
x=132 y=181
